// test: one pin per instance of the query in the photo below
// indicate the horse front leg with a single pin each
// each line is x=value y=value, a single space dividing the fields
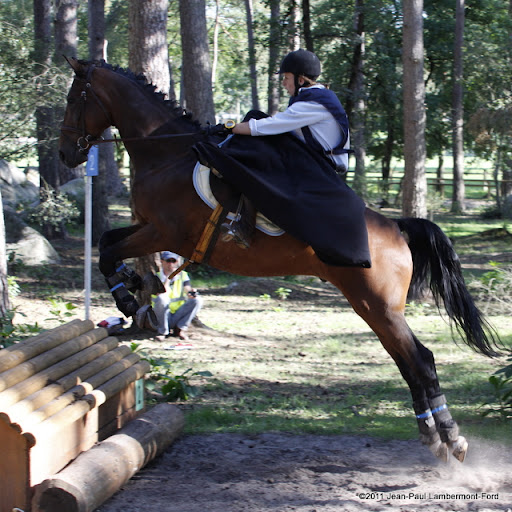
x=110 y=267
x=114 y=247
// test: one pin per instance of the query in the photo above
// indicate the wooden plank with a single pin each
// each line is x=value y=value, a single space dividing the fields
x=117 y=411
x=14 y=469
x=98 y=473
x=64 y=384
x=95 y=398
x=62 y=445
x=77 y=392
x=25 y=350
x=42 y=361
x=31 y=385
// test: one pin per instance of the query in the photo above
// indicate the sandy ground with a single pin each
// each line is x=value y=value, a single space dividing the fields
x=278 y=472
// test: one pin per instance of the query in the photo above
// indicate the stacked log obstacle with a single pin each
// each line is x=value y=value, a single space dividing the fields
x=62 y=392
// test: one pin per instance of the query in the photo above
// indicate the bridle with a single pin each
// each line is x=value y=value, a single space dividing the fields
x=85 y=141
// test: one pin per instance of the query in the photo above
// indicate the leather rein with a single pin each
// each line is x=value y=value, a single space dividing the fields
x=85 y=141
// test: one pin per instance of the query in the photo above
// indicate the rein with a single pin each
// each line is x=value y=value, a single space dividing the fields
x=85 y=141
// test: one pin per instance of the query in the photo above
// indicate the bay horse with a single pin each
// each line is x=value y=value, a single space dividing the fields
x=406 y=254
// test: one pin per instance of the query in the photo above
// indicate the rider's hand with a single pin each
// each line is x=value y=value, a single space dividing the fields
x=221 y=128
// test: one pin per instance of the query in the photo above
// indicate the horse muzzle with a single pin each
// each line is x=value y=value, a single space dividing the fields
x=72 y=158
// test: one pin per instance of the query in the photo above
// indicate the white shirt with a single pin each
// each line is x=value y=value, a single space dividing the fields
x=322 y=124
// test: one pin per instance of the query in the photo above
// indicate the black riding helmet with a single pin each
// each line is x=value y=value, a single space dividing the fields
x=301 y=62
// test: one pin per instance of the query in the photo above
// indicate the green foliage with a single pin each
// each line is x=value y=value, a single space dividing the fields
x=13 y=287
x=179 y=386
x=55 y=209
x=282 y=293
x=173 y=387
x=494 y=289
x=501 y=382
x=61 y=310
x=11 y=333
x=414 y=308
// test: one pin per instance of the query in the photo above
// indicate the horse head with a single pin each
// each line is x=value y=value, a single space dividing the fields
x=85 y=118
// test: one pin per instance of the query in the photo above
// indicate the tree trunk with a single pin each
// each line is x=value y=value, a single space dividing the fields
x=108 y=179
x=44 y=113
x=306 y=24
x=65 y=28
x=149 y=55
x=197 y=95
x=215 y=43
x=252 y=55
x=458 y=112
x=439 y=174
x=415 y=182
x=5 y=305
x=357 y=89
x=273 y=57
x=294 y=25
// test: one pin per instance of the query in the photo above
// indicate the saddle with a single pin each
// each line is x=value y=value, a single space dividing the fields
x=213 y=190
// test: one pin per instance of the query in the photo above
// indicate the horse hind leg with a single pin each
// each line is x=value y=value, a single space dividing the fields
x=438 y=430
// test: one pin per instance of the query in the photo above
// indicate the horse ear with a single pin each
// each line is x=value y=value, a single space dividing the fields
x=77 y=68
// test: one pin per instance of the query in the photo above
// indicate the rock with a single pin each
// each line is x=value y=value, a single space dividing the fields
x=25 y=243
x=16 y=188
x=74 y=188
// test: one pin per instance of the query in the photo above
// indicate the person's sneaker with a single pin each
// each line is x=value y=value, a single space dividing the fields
x=181 y=334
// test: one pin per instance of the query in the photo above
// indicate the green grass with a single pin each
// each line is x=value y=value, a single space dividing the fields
x=332 y=377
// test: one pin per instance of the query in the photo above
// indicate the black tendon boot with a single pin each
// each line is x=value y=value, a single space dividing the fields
x=240 y=230
x=428 y=431
x=446 y=426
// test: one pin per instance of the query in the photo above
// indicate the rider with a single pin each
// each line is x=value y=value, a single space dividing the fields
x=314 y=114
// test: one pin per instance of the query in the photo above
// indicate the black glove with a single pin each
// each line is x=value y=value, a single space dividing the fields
x=221 y=128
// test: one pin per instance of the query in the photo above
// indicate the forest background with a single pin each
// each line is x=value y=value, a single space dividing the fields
x=418 y=79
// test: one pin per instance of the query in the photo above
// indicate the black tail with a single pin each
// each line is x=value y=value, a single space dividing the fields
x=436 y=265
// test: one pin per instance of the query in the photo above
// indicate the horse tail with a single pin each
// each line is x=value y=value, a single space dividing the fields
x=437 y=266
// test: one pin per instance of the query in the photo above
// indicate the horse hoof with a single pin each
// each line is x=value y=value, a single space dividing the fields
x=440 y=450
x=145 y=318
x=152 y=284
x=459 y=448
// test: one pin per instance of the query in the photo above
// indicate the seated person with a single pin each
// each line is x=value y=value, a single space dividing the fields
x=179 y=304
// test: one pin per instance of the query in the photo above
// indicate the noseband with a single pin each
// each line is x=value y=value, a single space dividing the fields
x=85 y=141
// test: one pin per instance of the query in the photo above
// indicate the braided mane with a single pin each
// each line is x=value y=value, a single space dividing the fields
x=173 y=106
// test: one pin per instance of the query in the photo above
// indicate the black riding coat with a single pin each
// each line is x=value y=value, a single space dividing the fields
x=297 y=189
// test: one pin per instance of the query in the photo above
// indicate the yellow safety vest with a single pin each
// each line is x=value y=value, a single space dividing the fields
x=176 y=292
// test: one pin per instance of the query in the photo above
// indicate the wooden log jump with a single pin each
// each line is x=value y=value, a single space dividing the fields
x=101 y=471
x=62 y=392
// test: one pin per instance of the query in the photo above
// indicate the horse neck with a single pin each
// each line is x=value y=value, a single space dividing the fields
x=134 y=110
x=137 y=113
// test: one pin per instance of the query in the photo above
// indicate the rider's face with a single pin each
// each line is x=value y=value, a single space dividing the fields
x=289 y=83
